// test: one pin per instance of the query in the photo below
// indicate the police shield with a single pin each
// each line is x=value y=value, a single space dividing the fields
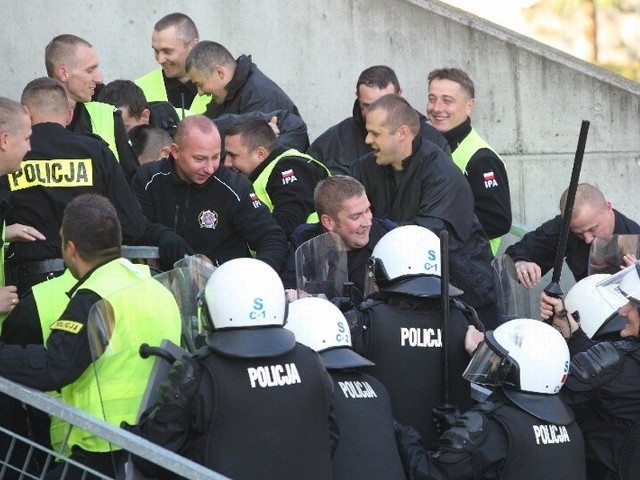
x=511 y=296
x=606 y=255
x=321 y=267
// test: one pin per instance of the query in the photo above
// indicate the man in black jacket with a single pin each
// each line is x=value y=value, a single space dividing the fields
x=236 y=85
x=60 y=166
x=214 y=209
x=343 y=144
x=410 y=181
x=593 y=216
x=343 y=208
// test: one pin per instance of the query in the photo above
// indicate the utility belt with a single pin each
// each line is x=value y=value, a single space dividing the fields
x=53 y=266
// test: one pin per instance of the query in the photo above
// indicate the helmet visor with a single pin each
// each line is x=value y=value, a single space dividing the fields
x=489 y=365
x=626 y=283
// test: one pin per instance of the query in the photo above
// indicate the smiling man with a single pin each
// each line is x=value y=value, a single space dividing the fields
x=173 y=37
x=214 y=209
x=451 y=101
x=343 y=208
x=74 y=63
x=411 y=181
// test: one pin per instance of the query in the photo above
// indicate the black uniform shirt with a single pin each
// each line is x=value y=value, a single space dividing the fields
x=179 y=94
x=217 y=218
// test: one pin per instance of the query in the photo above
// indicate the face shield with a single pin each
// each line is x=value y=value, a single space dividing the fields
x=625 y=283
x=491 y=364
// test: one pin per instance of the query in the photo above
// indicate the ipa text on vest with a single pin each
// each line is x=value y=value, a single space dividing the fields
x=420 y=337
x=357 y=390
x=546 y=434
x=274 y=375
x=77 y=172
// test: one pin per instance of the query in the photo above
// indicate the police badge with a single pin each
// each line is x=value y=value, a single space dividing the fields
x=208 y=219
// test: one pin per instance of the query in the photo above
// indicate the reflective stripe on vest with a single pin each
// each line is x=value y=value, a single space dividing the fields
x=152 y=84
x=123 y=374
x=102 y=123
x=260 y=183
x=51 y=299
x=461 y=156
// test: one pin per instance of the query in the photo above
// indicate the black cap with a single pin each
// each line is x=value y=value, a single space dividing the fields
x=252 y=342
x=343 y=357
x=549 y=408
x=419 y=286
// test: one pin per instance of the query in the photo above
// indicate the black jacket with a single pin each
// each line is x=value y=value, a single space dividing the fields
x=540 y=245
x=49 y=186
x=343 y=144
x=492 y=197
x=250 y=90
x=432 y=192
x=81 y=123
x=220 y=218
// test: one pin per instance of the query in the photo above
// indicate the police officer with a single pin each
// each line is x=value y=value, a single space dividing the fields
x=60 y=166
x=403 y=329
x=213 y=208
x=15 y=133
x=91 y=238
x=74 y=62
x=252 y=403
x=523 y=430
x=367 y=447
x=451 y=101
x=173 y=37
x=603 y=387
x=283 y=179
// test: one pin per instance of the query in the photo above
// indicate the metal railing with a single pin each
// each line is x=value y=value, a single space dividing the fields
x=78 y=418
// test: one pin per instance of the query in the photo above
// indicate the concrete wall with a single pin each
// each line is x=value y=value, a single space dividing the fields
x=530 y=98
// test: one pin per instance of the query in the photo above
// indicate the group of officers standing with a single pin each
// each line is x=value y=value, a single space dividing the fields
x=240 y=180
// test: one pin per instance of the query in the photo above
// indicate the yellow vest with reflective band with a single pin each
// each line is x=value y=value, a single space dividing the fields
x=51 y=299
x=113 y=387
x=102 y=123
x=461 y=156
x=152 y=84
x=260 y=183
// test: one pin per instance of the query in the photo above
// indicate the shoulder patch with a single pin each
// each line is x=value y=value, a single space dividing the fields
x=68 y=326
x=288 y=176
x=255 y=201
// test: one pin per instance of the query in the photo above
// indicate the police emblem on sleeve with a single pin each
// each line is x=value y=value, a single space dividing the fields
x=255 y=201
x=288 y=176
x=208 y=219
x=489 y=180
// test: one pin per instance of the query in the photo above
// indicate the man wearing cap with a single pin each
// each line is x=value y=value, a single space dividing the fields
x=602 y=385
x=253 y=403
x=403 y=331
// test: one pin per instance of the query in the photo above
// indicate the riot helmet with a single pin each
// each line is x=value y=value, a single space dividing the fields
x=596 y=307
x=321 y=326
x=407 y=260
x=247 y=306
x=530 y=361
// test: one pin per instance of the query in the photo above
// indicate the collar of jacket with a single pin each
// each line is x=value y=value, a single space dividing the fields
x=244 y=66
x=415 y=146
x=359 y=119
x=258 y=170
x=456 y=135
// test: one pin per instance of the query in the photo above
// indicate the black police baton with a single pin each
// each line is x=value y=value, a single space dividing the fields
x=554 y=289
x=445 y=415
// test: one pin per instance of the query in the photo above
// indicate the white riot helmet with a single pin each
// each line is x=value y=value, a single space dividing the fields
x=247 y=306
x=321 y=326
x=596 y=307
x=630 y=283
x=407 y=260
x=526 y=358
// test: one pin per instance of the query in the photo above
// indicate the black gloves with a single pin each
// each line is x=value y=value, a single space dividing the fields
x=444 y=418
x=172 y=248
